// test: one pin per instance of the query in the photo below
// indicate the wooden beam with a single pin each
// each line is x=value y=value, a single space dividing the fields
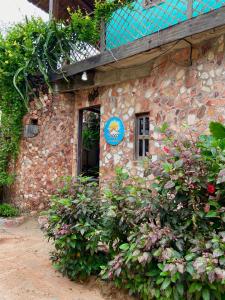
x=51 y=3
x=103 y=36
x=79 y=144
x=100 y=78
x=123 y=74
x=74 y=83
x=53 y=9
x=190 y=27
x=86 y=5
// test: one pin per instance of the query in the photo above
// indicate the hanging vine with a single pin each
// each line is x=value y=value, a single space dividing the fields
x=29 y=52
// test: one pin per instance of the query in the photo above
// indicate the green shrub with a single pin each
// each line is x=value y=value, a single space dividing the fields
x=6 y=210
x=177 y=252
x=74 y=226
x=121 y=202
x=166 y=242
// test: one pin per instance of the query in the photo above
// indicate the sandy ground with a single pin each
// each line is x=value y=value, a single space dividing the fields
x=27 y=274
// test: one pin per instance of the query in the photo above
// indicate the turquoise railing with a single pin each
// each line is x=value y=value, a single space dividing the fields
x=126 y=25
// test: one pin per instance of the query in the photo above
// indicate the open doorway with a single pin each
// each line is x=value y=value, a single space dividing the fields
x=89 y=142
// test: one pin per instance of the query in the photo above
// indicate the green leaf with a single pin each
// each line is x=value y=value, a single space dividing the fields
x=168 y=292
x=178 y=164
x=217 y=130
x=214 y=204
x=152 y=273
x=195 y=287
x=164 y=127
x=180 y=289
x=165 y=283
x=221 y=144
x=175 y=294
x=164 y=274
x=211 y=214
x=190 y=256
x=157 y=293
x=73 y=244
x=169 y=185
x=218 y=253
x=124 y=247
x=167 y=167
x=159 y=280
x=161 y=266
x=206 y=294
x=157 y=252
x=190 y=269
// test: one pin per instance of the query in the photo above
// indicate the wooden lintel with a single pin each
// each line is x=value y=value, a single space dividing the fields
x=190 y=27
x=122 y=74
x=104 y=78
x=74 y=83
x=93 y=109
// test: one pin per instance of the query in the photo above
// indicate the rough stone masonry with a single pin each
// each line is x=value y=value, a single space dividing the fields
x=178 y=91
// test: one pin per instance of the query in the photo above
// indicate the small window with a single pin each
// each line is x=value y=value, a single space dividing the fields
x=31 y=130
x=142 y=136
x=34 y=122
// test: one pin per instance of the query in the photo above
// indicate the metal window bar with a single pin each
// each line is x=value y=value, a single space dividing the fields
x=142 y=136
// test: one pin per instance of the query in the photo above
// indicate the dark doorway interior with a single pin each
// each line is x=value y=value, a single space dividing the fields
x=89 y=142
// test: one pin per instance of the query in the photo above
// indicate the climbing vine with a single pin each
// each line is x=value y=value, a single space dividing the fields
x=29 y=52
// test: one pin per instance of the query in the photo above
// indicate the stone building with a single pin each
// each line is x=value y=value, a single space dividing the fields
x=142 y=77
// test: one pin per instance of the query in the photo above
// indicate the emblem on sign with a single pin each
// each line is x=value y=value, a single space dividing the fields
x=114 y=131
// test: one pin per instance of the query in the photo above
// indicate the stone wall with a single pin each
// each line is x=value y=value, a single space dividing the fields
x=46 y=157
x=182 y=89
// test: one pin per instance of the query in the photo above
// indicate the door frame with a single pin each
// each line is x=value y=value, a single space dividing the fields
x=95 y=109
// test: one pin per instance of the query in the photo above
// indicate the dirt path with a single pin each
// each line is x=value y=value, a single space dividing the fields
x=26 y=272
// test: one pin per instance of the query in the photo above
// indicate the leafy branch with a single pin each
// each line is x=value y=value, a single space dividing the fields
x=29 y=52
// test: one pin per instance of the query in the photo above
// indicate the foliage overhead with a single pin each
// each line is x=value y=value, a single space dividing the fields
x=29 y=52
x=162 y=241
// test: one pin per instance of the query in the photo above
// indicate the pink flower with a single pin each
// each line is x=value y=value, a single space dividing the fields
x=211 y=188
x=207 y=208
x=166 y=150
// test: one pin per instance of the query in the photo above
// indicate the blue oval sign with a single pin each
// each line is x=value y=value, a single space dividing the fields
x=114 y=131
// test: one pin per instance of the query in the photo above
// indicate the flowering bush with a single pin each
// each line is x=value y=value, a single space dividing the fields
x=167 y=242
x=120 y=203
x=74 y=226
x=176 y=249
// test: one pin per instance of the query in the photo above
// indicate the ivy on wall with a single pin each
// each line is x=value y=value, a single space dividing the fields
x=29 y=52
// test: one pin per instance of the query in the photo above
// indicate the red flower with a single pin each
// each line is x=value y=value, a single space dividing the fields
x=211 y=188
x=166 y=150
